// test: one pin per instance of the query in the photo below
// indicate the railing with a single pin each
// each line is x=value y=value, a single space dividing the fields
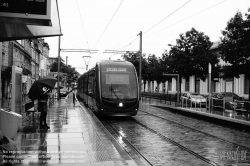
x=217 y=106
x=191 y=104
x=168 y=99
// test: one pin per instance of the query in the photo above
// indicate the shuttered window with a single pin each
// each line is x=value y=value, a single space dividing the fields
x=246 y=86
x=170 y=85
x=187 y=85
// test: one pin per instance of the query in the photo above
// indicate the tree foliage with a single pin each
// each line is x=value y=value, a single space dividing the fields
x=191 y=55
x=134 y=58
x=72 y=74
x=235 y=46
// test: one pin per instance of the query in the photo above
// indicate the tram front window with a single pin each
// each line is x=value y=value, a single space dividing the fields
x=119 y=86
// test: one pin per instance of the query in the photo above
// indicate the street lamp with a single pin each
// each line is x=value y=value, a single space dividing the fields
x=86 y=61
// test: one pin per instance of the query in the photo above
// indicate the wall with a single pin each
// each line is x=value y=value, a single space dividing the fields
x=238 y=86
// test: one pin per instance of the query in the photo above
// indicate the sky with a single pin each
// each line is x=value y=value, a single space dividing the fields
x=115 y=24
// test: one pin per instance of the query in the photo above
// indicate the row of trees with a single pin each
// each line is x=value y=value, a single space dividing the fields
x=192 y=53
x=72 y=74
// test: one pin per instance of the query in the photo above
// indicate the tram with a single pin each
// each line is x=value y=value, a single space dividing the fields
x=110 y=88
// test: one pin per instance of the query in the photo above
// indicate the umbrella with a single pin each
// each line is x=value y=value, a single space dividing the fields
x=41 y=88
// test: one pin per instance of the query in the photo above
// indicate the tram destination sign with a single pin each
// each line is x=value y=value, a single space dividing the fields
x=30 y=9
x=116 y=69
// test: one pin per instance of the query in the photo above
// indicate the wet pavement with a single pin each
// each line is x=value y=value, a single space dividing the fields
x=219 y=144
x=75 y=137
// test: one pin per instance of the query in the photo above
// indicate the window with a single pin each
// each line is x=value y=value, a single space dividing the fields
x=170 y=85
x=246 y=86
x=197 y=85
x=90 y=84
x=187 y=84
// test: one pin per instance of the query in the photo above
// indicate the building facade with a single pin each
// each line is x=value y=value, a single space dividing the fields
x=239 y=86
x=31 y=55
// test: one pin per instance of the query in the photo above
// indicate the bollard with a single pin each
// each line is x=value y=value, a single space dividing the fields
x=224 y=106
x=212 y=104
x=234 y=108
x=170 y=100
x=165 y=98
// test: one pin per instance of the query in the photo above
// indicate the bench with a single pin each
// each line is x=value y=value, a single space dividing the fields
x=29 y=108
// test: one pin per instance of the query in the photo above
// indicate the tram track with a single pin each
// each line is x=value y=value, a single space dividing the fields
x=181 y=125
x=127 y=131
x=169 y=140
x=111 y=129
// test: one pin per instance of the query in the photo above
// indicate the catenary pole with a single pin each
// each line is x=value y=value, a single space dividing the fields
x=1 y=50
x=67 y=72
x=140 y=58
x=209 y=83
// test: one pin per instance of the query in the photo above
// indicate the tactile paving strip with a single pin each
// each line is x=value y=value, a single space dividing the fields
x=99 y=156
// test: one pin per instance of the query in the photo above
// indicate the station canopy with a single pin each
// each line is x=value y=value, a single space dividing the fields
x=24 y=19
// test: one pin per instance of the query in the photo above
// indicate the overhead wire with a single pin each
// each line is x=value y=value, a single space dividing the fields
x=186 y=18
x=129 y=39
x=159 y=22
x=75 y=37
x=168 y=16
x=73 y=40
x=108 y=24
x=129 y=43
x=177 y=22
x=82 y=23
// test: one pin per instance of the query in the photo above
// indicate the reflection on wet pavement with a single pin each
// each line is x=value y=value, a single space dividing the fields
x=71 y=139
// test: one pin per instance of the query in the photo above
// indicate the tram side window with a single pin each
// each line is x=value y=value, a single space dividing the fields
x=85 y=85
x=91 y=85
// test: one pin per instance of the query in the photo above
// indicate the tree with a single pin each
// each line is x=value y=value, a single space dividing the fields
x=72 y=74
x=235 y=46
x=154 y=69
x=134 y=59
x=191 y=55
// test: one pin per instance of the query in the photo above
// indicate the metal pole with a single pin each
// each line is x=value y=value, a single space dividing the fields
x=178 y=84
x=1 y=50
x=86 y=62
x=209 y=84
x=58 y=70
x=140 y=64
x=67 y=72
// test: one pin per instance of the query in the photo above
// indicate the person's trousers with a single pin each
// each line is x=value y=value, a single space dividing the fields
x=43 y=118
x=43 y=115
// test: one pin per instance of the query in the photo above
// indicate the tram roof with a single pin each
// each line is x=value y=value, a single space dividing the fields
x=108 y=62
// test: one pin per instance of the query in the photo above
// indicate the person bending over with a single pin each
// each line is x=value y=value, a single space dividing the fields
x=43 y=108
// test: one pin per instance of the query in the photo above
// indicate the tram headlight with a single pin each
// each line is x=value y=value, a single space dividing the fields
x=120 y=104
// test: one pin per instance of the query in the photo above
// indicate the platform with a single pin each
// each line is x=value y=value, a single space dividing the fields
x=75 y=137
